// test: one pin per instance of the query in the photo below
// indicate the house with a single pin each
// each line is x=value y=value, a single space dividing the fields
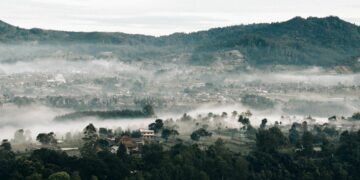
x=147 y=134
x=133 y=145
x=128 y=142
x=71 y=151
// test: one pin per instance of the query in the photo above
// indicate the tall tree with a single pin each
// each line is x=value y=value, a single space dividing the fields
x=89 y=148
x=157 y=125
x=5 y=144
x=294 y=135
x=270 y=140
x=122 y=151
x=307 y=142
x=46 y=138
x=166 y=133
x=263 y=123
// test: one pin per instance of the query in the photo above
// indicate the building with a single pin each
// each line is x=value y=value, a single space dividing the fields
x=147 y=134
x=133 y=145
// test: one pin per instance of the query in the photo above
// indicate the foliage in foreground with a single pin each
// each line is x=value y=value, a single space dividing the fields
x=272 y=158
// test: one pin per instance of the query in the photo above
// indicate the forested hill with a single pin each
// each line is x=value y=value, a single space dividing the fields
x=325 y=42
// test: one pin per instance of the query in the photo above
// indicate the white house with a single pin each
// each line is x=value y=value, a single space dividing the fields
x=149 y=134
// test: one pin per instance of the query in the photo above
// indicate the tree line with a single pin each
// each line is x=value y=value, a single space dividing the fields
x=276 y=155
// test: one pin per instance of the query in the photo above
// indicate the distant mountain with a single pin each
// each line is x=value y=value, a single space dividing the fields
x=326 y=42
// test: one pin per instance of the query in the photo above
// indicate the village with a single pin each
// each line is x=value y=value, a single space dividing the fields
x=81 y=90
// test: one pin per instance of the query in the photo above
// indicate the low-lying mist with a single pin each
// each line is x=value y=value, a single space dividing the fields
x=51 y=66
x=113 y=67
x=40 y=119
x=114 y=83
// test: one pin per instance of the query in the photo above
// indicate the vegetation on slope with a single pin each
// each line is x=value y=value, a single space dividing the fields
x=147 y=111
x=326 y=42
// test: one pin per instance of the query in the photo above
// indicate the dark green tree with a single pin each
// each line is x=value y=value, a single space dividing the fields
x=46 y=138
x=135 y=134
x=356 y=116
x=166 y=133
x=270 y=140
x=263 y=123
x=103 y=144
x=5 y=145
x=244 y=120
x=294 y=135
x=157 y=126
x=90 y=138
x=307 y=141
x=122 y=151
x=196 y=135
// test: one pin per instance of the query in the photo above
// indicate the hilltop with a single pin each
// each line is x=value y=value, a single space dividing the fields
x=326 y=42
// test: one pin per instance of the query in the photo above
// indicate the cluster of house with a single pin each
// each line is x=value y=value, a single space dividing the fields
x=134 y=145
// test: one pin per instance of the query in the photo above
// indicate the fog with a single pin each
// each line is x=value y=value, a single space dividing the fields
x=40 y=119
x=307 y=78
x=98 y=66
x=174 y=89
x=113 y=67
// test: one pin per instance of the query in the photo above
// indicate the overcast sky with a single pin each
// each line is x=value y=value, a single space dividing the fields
x=160 y=17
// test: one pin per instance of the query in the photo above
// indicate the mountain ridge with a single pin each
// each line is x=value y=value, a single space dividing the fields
x=328 y=42
x=296 y=19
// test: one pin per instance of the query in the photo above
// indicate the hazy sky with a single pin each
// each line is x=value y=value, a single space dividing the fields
x=158 y=17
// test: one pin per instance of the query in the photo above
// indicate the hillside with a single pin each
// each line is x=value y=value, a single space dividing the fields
x=326 y=42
